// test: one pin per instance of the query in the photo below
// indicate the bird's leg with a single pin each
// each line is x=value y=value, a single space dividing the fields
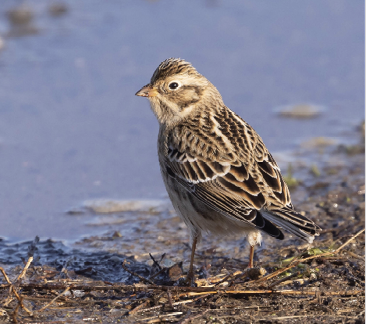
x=250 y=265
x=190 y=275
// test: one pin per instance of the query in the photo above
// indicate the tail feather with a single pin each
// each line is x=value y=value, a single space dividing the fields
x=267 y=226
x=293 y=222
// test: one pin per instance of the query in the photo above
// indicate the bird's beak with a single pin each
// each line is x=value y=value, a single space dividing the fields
x=147 y=91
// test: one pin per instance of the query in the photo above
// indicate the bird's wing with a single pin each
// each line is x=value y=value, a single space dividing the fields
x=225 y=164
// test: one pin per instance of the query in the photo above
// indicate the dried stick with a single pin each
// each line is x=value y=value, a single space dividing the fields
x=190 y=319
x=139 y=307
x=337 y=250
x=15 y=313
x=156 y=262
x=201 y=294
x=296 y=262
x=190 y=290
x=13 y=289
x=20 y=301
x=137 y=275
x=334 y=316
x=174 y=304
x=154 y=308
x=279 y=292
x=87 y=287
x=170 y=299
x=158 y=273
x=354 y=255
x=283 y=279
x=223 y=279
x=158 y=318
x=5 y=276
x=21 y=275
x=54 y=299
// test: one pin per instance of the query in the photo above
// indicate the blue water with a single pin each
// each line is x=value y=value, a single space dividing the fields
x=71 y=128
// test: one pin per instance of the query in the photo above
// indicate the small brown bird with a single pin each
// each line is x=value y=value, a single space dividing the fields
x=218 y=173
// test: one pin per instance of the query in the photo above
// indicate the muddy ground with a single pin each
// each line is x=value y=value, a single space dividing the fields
x=134 y=273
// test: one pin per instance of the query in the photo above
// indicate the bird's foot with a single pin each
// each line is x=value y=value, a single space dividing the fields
x=190 y=279
x=254 y=273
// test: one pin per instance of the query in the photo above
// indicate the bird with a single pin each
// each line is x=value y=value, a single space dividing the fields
x=219 y=175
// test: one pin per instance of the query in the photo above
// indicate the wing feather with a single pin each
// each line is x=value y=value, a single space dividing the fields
x=229 y=169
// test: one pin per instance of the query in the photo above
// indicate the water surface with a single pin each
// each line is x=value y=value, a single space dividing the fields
x=71 y=128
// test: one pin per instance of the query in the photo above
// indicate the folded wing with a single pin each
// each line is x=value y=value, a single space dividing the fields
x=234 y=174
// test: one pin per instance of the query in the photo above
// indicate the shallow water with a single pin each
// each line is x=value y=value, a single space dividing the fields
x=71 y=128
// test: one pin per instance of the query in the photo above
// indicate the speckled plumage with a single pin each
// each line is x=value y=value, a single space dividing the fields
x=219 y=175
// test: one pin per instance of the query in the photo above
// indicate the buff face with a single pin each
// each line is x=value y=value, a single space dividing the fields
x=175 y=92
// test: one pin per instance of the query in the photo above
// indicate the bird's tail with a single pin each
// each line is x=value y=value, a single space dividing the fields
x=293 y=222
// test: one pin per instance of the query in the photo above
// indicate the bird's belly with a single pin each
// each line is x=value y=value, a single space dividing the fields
x=198 y=216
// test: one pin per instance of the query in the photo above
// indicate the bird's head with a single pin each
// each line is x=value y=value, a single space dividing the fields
x=176 y=90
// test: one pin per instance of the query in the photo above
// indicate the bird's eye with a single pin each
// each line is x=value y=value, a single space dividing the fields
x=173 y=85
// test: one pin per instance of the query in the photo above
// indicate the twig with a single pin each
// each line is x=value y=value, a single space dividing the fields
x=174 y=304
x=201 y=294
x=189 y=319
x=354 y=255
x=139 y=307
x=156 y=262
x=64 y=269
x=153 y=308
x=159 y=317
x=21 y=275
x=9 y=285
x=8 y=300
x=295 y=263
x=136 y=274
x=13 y=289
x=223 y=279
x=275 y=273
x=334 y=316
x=158 y=273
x=20 y=300
x=337 y=250
x=282 y=280
x=99 y=286
x=86 y=287
x=190 y=290
x=278 y=292
x=170 y=299
x=15 y=314
x=5 y=276
x=256 y=308
x=184 y=302
x=50 y=303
